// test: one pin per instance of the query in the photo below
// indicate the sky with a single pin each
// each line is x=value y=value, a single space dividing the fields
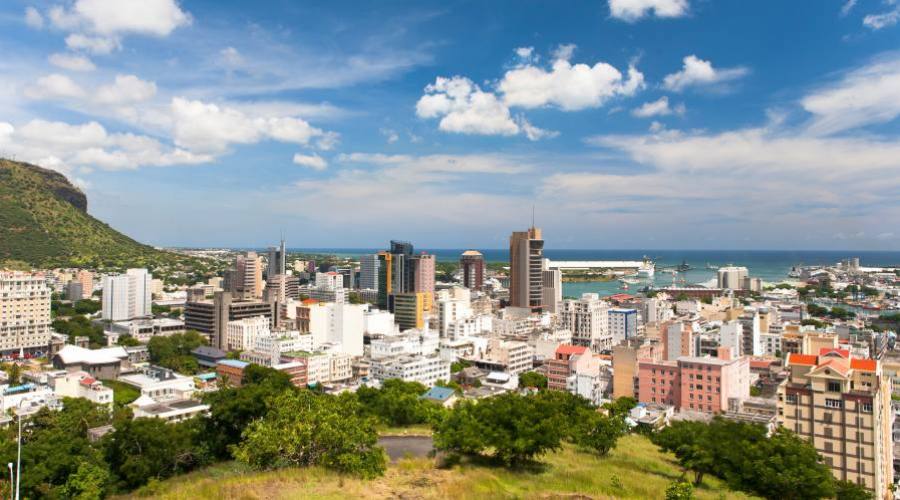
x=695 y=124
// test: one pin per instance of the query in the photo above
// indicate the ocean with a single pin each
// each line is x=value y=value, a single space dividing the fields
x=769 y=265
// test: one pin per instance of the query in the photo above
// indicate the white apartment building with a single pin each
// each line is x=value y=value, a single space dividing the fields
x=241 y=334
x=341 y=324
x=588 y=320
x=751 y=328
x=517 y=357
x=771 y=343
x=426 y=370
x=161 y=384
x=469 y=327
x=731 y=277
x=127 y=296
x=329 y=281
x=731 y=334
x=451 y=310
x=80 y=385
x=324 y=367
x=24 y=312
x=623 y=324
x=378 y=322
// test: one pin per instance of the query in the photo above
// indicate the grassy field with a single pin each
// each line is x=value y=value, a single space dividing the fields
x=636 y=469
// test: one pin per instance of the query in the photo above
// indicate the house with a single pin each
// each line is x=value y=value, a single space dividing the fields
x=443 y=396
x=171 y=412
x=208 y=356
x=105 y=364
x=231 y=372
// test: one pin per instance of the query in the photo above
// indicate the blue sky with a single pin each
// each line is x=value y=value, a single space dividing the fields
x=625 y=123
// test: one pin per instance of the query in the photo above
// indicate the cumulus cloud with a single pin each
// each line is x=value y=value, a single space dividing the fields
x=698 y=72
x=390 y=135
x=71 y=62
x=847 y=7
x=313 y=161
x=634 y=10
x=34 y=18
x=208 y=127
x=118 y=17
x=126 y=89
x=464 y=108
x=567 y=86
x=54 y=86
x=63 y=146
x=867 y=95
x=659 y=107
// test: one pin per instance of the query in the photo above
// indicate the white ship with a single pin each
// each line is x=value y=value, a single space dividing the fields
x=646 y=269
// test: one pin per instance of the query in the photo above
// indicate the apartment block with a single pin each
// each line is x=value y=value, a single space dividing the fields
x=842 y=405
x=24 y=313
x=698 y=384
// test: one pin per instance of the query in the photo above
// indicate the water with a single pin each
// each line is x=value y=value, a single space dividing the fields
x=770 y=265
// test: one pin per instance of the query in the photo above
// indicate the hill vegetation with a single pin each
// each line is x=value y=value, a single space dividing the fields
x=44 y=222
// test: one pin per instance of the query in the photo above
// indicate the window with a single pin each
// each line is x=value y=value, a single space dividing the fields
x=834 y=403
x=791 y=398
x=866 y=407
x=834 y=386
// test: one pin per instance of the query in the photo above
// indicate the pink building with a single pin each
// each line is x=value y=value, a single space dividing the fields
x=694 y=383
x=424 y=277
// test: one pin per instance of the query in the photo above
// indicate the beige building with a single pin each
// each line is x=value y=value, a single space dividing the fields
x=24 y=312
x=86 y=278
x=842 y=405
x=625 y=359
x=526 y=278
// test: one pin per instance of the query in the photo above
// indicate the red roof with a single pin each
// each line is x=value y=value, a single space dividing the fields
x=570 y=349
x=87 y=381
x=619 y=297
x=802 y=359
x=869 y=365
x=844 y=353
x=309 y=301
x=761 y=363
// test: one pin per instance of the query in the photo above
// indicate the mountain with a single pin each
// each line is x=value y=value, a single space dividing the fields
x=44 y=222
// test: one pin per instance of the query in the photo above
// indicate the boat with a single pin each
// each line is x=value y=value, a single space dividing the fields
x=711 y=267
x=684 y=266
x=629 y=281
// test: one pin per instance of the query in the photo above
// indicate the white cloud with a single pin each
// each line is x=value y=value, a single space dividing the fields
x=867 y=95
x=883 y=20
x=390 y=135
x=207 y=127
x=633 y=10
x=847 y=7
x=534 y=133
x=524 y=52
x=464 y=108
x=697 y=72
x=34 y=18
x=126 y=89
x=118 y=17
x=888 y=235
x=54 y=86
x=659 y=107
x=230 y=57
x=92 y=44
x=313 y=161
x=63 y=146
x=570 y=87
x=71 y=62
x=564 y=51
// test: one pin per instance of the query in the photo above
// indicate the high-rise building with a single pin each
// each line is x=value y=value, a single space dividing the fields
x=368 y=272
x=526 y=255
x=842 y=405
x=423 y=274
x=244 y=278
x=396 y=272
x=127 y=296
x=472 y=265
x=385 y=283
x=622 y=324
x=588 y=320
x=241 y=334
x=276 y=260
x=409 y=310
x=86 y=278
x=731 y=277
x=210 y=317
x=551 y=283
x=24 y=313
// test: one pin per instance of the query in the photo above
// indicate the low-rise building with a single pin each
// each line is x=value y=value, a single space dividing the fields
x=80 y=385
x=426 y=370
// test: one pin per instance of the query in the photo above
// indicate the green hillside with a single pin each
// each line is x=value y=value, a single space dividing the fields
x=44 y=222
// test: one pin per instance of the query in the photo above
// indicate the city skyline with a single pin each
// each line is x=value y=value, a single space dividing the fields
x=665 y=124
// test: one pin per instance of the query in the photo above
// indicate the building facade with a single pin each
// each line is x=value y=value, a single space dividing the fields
x=24 y=313
x=526 y=256
x=471 y=264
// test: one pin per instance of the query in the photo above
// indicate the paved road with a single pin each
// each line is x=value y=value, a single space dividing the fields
x=398 y=447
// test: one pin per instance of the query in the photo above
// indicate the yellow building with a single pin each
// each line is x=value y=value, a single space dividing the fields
x=409 y=309
x=842 y=405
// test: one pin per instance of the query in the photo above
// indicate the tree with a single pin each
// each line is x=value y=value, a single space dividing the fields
x=679 y=490
x=848 y=490
x=398 y=403
x=89 y=482
x=458 y=366
x=302 y=429
x=174 y=351
x=599 y=432
x=621 y=407
x=13 y=373
x=512 y=427
x=686 y=440
x=127 y=341
x=533 y=379
x=144 y=448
